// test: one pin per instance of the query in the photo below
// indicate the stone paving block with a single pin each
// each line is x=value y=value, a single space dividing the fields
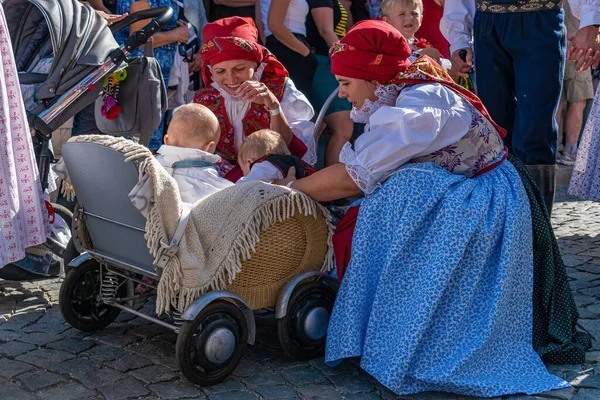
x=573 y=261
x=39 y=379
x=30 y=317
x=319 y=392
x=14 y=348
x=591 y=268
x=129 y=362
x=55 y=329
x=105 y=353
x=583 y=300
x=345 y=367
x=277 y=393
x=592 y=326
x=562 y=394
x=75 y=366
x=587 y=314
x=585 y=276
x=592 y=356
x=593 y=291
x=114 y=339
x=13 y=326
x=228 y=385
x=45 y=357
x=177 y=390
x=123 y=389
x=264 y=377
x=576 y=286
x=234 y=396
x=39 y=338
x=92 y=377
x=351 y=383
x=363 y=396
x=247 y=367
x=71 y=345
x=70 y=391
x=7 y=336
x=154 y=374
x=147 y=331
x=10 y=368
x=588 y=394
x=303 y=376
x=13 y=392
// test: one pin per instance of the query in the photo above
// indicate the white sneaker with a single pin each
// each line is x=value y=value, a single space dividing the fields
x=567 y=159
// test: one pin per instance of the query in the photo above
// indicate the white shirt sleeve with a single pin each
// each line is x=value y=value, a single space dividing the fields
x=588 y=12
x=264 y=172
x=457 y=23
x=298 y=112
x=426 y=118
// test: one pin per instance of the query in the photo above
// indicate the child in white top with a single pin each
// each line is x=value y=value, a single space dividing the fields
x=188 y=154
x=265 y=157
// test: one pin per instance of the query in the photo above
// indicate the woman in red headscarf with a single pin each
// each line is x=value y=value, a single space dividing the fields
x=437 y=295
x=249 y=90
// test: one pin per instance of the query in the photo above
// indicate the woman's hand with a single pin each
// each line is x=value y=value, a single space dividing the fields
x=291 y=177
x=111 y=18
x=196 y=64
x=258 y=93
x=181 y=33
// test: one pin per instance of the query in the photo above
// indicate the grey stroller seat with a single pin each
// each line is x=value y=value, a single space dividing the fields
x=102 y=180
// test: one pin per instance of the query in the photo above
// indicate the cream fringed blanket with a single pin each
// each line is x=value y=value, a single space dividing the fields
x=222 y=232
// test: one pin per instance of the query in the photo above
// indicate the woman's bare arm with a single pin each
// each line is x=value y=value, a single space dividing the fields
x=331 y=183
x=323 y=17
x=277 y=11
x=179 y=34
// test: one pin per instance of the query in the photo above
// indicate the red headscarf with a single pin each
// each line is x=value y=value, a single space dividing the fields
x=234 y=38
x=371 y=50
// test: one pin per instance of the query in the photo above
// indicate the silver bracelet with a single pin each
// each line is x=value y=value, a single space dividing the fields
x=276 y=111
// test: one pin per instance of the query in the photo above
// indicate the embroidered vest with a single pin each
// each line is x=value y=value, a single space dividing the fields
x=513 y=6
x=256 y=118
x=474 y=153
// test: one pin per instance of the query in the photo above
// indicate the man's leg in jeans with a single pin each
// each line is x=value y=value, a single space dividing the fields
x=537 y=43
x=494 y=71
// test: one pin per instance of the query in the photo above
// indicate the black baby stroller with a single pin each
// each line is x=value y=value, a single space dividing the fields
x=63 y=51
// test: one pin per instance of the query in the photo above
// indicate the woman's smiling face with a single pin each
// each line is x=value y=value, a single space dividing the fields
x=356 y=91
x=229 y=75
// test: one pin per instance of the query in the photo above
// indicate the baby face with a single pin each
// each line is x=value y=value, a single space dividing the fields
x=405 y=18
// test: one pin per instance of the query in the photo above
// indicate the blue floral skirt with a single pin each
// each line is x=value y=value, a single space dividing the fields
x=438 y=293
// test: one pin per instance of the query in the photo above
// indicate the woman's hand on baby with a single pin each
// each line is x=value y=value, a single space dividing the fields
x=111 y=18
x=258 y=93
x=291 y=177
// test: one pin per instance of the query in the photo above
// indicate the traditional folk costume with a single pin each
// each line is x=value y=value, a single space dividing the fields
x=585 y=181
x=23 y=214
x=236 y=38
x=438 y=292
x=519 y=48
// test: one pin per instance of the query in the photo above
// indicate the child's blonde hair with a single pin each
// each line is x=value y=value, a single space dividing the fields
x=388 y=5
x=192 y=126
x=262 y=143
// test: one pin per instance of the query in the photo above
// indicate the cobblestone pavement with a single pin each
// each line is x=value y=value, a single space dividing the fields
x=41 y=357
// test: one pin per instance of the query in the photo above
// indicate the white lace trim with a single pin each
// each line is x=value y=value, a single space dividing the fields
x=310 y=143
x=256 y=77
x=386 y=96
x=359 y=174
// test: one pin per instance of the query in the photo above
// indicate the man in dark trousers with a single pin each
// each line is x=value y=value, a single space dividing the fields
x=519 y=62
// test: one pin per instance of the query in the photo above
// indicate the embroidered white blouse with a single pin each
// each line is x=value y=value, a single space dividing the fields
x=297 y=110
x=420 y=120
x=457 y=23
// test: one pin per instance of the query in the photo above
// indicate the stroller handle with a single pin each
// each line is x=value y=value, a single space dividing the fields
x=161 y=16
x=160 y=13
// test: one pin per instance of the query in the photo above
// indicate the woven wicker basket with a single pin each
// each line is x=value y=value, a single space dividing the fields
x=285 y=249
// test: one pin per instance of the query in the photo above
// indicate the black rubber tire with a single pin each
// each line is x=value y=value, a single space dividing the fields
x=216 y=314
x=78 y=299
x=291 y=337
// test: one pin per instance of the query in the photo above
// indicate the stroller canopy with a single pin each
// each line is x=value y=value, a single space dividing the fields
x=80 y=39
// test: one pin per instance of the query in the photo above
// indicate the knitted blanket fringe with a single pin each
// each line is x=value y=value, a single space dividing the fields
x=174 y=291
